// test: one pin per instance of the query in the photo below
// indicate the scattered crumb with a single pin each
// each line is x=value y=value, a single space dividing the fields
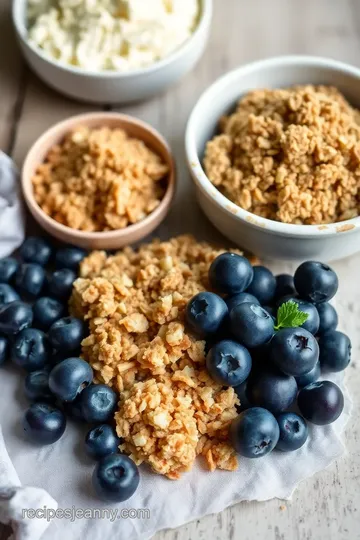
x=291 y=155
x=282 y=507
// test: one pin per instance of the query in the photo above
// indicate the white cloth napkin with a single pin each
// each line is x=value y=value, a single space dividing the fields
x=65 y=472
x=12 y=224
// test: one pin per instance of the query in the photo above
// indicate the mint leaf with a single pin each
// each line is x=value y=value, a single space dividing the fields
x=289 y=316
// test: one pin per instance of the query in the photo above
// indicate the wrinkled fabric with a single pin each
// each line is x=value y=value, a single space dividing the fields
x=12 y=222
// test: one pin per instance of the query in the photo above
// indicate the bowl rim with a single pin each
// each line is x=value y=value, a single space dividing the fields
x=28 y=193
x=201 y=179
x=204 y=22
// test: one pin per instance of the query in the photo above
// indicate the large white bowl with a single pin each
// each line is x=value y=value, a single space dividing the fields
x=264 y=237
x=111 y=86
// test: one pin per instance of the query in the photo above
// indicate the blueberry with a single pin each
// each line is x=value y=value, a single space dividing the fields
x=316 y=282
x=230 y=273
x=284 y=286
x=73 y=409
x=241 y=392
x=37 y=386
x=69 y=378
x=308 y=378
x=29 y=280
x=15 y=317
x=205 y=313
x=321 y=402
x=35 y=250
x=115 y=478
x=7 y=294
x=46 y=312
x=43 y=423
x=67 y=334
x=60 y=284
x=228 y=363
x=31 y=349
x=69 y=257
x=263 y=285
x=294 y=351
x=240 y=298
x=335 y=351
x=101 y=441
x=8 y=269
x=312 y=323
x=293 y=432
x=4 y=349
x=251 y=325
x=272 y=310
x=98 y=403
x=272 y=390
x=254 y=433
x=328 y=317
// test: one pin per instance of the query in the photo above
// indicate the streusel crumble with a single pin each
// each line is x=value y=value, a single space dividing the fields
x=170 y=410
x=99 y=180
x=290 y=155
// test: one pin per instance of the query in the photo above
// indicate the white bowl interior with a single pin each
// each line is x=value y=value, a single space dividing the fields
x=19 y=16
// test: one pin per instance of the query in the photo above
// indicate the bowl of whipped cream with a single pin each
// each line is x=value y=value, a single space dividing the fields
x=112 y=51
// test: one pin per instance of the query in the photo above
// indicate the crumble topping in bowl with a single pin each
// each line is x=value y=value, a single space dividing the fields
x=291 y=155
x=170 y=410
x=99 y=180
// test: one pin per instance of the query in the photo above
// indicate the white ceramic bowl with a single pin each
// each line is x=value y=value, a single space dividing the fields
x=110 y=86
x=264 y=237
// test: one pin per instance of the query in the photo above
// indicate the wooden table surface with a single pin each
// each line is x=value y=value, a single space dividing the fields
x=327 y=506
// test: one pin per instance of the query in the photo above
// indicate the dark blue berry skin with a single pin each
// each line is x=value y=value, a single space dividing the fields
x=293 y=432
x=35 y=250
x=321 y=402
x=46 y=312
x=335 y=351
x=101 y=441
x=284 y=286
x=312 y=323
x=230 y=274
x=272 y=310
x=308 y=378
x=228 y=363
x=8 y=269
x=115 y=478
x=205 y=313
x=328 y=318
x=294 y=351
x=7 y=294
x=31 y=349
x=73 y=410
x=4 y=349
x=240 y=298
x=69 y=257
x=69 y=378
x=67 y=334
x=241 y=392
x=37 y=386
x=316 y=282
x=15 y=317
x=272 y=390
x=254 y=433
x=98 y=403
x=60 y=284
x=43 y=423
x=30 y=280
x=251 y=325
x=263 y=285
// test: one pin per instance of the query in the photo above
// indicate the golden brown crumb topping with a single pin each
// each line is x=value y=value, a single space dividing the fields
x=290 y=155
x=99 y=180
x=170 y=410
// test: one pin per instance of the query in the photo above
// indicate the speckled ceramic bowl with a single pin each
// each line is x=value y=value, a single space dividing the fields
x=264 y=237
x=99 y=240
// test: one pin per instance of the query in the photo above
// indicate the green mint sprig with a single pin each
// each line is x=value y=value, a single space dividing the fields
x=289 y=316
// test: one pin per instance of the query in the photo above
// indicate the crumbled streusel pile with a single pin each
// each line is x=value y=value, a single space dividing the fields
x=170 y=410
x=290 y=155
x=99 y=180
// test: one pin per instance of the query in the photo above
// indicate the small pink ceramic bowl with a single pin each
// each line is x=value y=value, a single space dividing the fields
x=109 y=239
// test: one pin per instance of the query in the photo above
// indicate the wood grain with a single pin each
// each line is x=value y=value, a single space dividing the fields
x=327 y=506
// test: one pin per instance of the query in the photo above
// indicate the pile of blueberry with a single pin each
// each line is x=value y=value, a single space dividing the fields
x=38 y=335
x=271 y=338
